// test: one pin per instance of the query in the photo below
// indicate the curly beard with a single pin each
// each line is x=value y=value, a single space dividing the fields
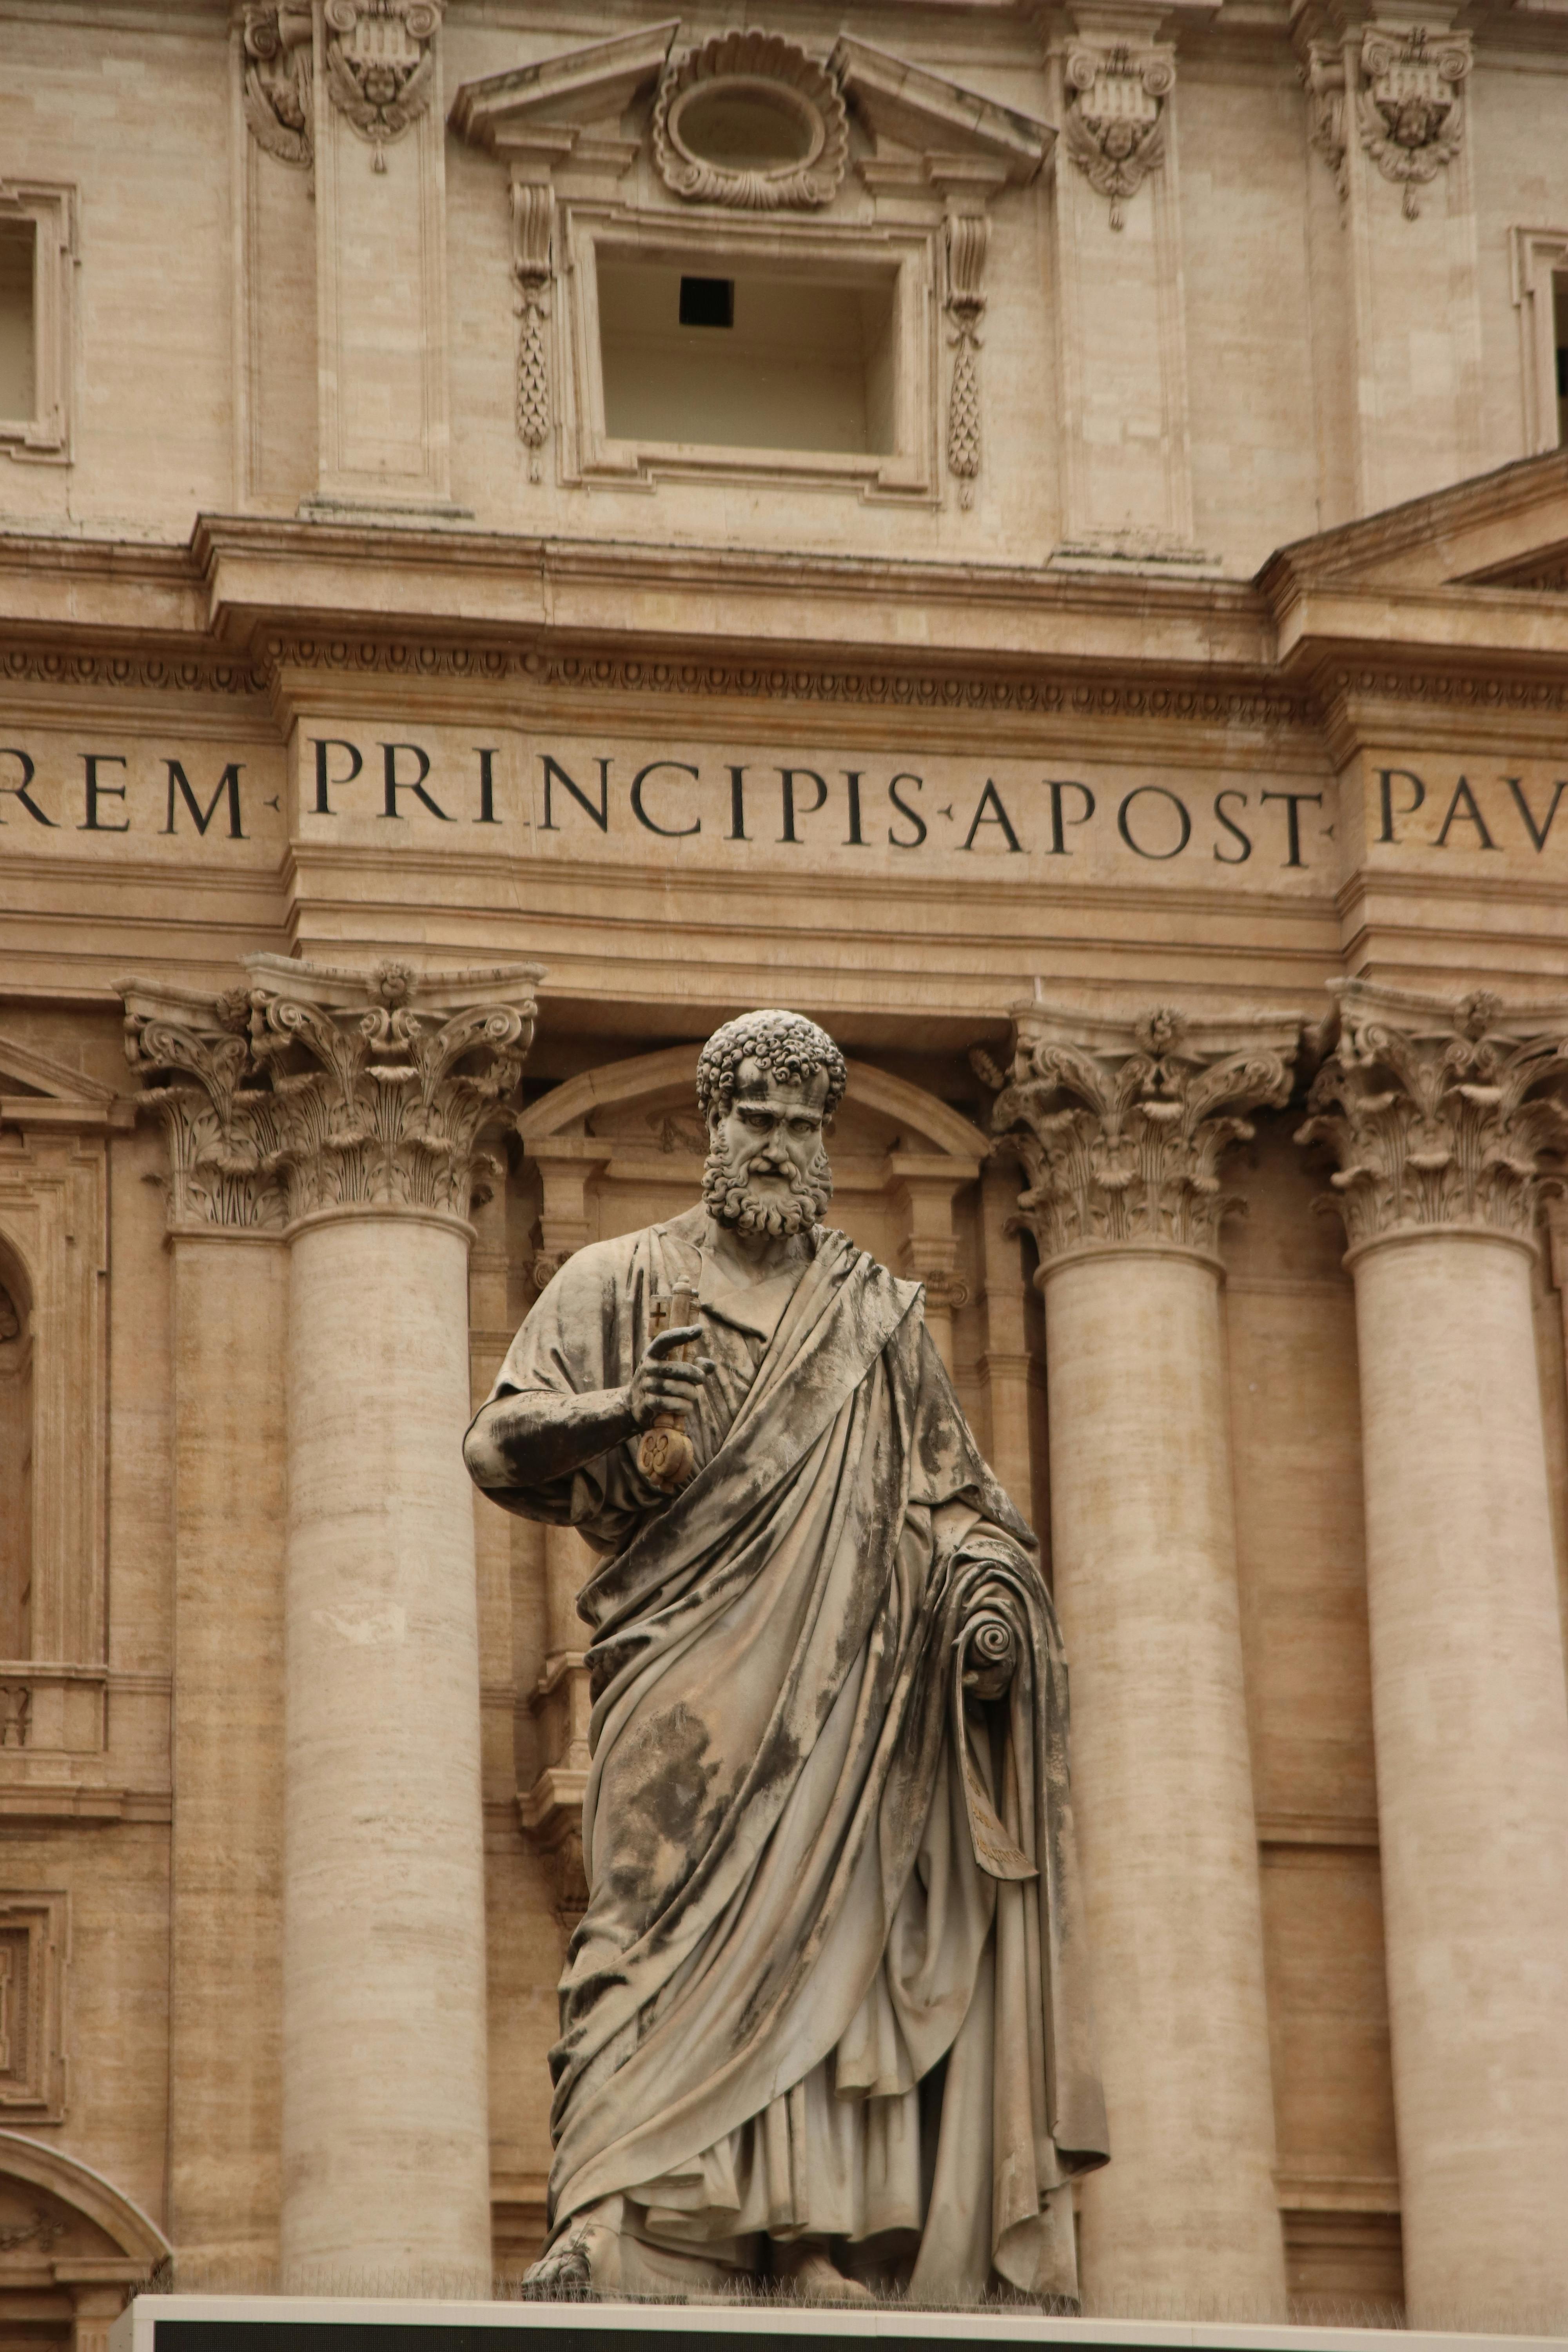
x=734 y=1203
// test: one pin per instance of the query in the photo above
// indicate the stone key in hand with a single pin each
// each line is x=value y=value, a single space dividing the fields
x=666 y=1455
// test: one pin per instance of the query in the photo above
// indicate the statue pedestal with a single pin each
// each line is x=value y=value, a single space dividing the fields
x=299 y=2323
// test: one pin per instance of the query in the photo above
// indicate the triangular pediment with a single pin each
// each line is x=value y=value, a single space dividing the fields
x=1508 y=529
x=37 y=1090
x=583 y=89
x=900 y=106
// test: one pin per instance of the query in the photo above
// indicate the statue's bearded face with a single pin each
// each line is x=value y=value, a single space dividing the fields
x=767 y=1171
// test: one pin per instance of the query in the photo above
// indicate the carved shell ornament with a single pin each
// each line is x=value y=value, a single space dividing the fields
x=381 y=65
x=751 y=120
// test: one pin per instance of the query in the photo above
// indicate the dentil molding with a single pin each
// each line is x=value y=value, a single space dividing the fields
x=1121 y=1126
x=1438 y=1113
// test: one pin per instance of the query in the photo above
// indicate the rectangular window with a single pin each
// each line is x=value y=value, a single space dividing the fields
x=801 y=361
x=19 y=306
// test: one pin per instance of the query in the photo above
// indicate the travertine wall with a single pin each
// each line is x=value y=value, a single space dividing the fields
x=308 y=651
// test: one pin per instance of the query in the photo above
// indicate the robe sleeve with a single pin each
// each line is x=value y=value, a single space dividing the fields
x=581 y=1335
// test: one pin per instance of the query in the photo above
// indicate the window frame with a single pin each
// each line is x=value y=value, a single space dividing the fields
x=729 y=248
x=44 y=437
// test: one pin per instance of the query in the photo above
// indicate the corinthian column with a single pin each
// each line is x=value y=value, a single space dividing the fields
x=1121 y=1127
x=382 y=1084
x=1435 y=1115
x=228 y=1274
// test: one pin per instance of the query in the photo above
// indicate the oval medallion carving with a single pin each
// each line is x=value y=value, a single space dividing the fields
x=751 y=120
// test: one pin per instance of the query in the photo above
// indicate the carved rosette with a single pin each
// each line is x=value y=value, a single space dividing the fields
x=1115 y=119
x=1120 y=1128
x=310 y=1089
x=381 y=65
x=277 y=42
x=764 y=70
x=1411 y=115
x=1437 y=1114
x=532 y=219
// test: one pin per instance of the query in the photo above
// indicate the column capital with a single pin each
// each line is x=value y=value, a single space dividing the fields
x=1435 y=1111
x=1121 y=1124
x=310 y=1088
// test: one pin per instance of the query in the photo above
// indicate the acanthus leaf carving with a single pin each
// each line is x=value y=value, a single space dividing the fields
x=278 y=42
x=290 y=1095
x=1437 y=1114
x=381 y=65
x=1115 y=120
x=1120 y=1130
x=1411 y=114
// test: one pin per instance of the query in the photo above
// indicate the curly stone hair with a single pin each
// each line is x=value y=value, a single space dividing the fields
x=788 y=1047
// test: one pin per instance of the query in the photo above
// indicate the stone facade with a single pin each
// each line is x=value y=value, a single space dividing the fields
x=1128 y=713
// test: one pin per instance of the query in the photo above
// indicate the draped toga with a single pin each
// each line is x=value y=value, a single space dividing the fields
x=831 y=1977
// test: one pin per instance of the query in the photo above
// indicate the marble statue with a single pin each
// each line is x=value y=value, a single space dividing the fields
x=826 y=2020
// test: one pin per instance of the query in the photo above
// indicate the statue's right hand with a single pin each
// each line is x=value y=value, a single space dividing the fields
x=659 y=1386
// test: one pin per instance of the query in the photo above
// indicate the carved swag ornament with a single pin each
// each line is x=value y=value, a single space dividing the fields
x=381 y=65
x=1120 y=1139
x=1437 y=1116
x=278 y=80
x=1115 y=124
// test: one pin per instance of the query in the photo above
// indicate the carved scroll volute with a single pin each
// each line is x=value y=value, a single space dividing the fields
x=1121 y=1127
x=533 y=221
x=968 y=238
x=1437 y=1115
x=1115 y=120
x=277 y=42
x=384 y=1082
x=219 y=1113
x=1411 y=115
x=381 y=65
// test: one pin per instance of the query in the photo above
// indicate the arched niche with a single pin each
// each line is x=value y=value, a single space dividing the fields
x=622 y=1146
x=72 y=2246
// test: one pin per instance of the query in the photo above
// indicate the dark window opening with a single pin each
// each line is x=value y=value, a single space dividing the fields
x=707 y=301
x=1559 y=336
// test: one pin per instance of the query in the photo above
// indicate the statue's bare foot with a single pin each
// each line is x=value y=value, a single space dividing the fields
x=564 y=2271
x=804 y=2267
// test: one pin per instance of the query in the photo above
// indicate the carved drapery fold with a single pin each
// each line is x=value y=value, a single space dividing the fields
x=1115 y=120
x=381 y=65
x=1436 y=1113
x=1121 y=1127
x=313 y=1089
x=277 y=43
